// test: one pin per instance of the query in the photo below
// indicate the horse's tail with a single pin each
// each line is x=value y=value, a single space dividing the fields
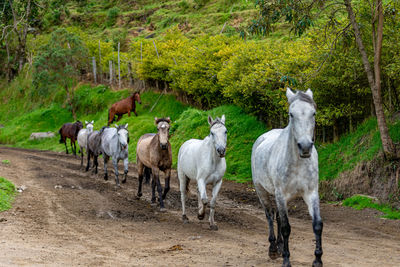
x=147 y=174
x=110 y=120
x=61 y=139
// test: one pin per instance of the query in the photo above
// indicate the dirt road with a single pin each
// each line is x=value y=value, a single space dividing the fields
x=69 y=217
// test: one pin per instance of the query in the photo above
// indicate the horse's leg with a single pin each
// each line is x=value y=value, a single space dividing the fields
x=312 y=201
x=72 y=147
x=202 y=198
x=156 y=177
x=153 y=190
x=140 y=169
x=167 y=178
x=215 y=190
x=65 y=143
x=81 y=150
x=183 y=183
x=106 y=158
x=135 y=112
x=129 y=113
x=95 y=162
x=126 y=162
x=266 y=202
x=279 y=241
x=88 y=152
x=285 y=226
x=119 y=117
x=115 y=163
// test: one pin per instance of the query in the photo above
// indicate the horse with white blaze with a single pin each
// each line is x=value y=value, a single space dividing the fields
x=114 y=143
x=204 y=162
x=284 y=164
x=83 y=136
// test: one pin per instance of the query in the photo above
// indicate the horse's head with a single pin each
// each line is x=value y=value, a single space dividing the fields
x=218 y=134
x=163 y=131
x=123 y=135
x=136 y=97
x=302 y=120
x=89 y=126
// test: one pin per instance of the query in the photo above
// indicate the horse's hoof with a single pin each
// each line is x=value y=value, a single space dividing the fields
x=139 y=195
x=286 y=263
x=163 y=209
x=200 y=216
x=273 y=255
x=213 y=227
x=123 y=181
x=106 y=177
x=317 y=263
x=185 y=219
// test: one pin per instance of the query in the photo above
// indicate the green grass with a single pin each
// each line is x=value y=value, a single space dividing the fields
x=361 y=145
x=7 y=191
x=92 y=103
x=362 y=202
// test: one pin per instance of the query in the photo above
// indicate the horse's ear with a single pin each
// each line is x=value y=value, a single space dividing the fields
x=92 y=122
x=155 y=120
x=223 y=119
x=168 y=119
x=289 y=94
x=86 y=122
x=126 y=126
x=309 y=93
x=210 y=120
x=116 y=126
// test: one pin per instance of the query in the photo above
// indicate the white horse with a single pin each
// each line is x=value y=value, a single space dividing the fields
x=82 y=137
x=284 y=164
x=203 y=161
x=114 y=143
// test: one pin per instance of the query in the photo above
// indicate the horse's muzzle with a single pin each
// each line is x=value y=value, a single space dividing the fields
x=221 y=152
x=163 y=146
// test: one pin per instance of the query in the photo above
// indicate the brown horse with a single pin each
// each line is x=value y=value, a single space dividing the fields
x=124 y=106
x=70 y=130
x=153 y=153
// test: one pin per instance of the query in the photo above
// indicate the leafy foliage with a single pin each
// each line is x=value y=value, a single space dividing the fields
x=58 y=62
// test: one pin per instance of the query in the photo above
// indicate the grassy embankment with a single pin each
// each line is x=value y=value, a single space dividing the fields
x=93 y=104
x=7 y=192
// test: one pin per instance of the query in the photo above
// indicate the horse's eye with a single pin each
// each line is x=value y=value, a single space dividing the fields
x=313 y=114
x=291 y=114
x=212 y=133
x=226 y=132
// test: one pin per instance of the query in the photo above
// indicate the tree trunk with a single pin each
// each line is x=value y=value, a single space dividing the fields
x=374 y=82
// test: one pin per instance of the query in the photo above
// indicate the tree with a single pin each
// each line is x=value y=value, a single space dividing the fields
x=301 y=14
x=58 y=64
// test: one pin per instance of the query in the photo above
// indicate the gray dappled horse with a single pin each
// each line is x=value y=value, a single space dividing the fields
x=93 y=148
x=83 y=136
x=284 y=164
x=204 y=162
x=114 y=143
x=154 y=154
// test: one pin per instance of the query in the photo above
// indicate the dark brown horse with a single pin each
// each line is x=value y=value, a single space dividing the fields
x=122 y=107
x=153 y=153
x=70 y=130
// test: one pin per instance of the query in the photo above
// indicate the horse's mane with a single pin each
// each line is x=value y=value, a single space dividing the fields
x=102 y=129
x=304 y=97
x=163 y=119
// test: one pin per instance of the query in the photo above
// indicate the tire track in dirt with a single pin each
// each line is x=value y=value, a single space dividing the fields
x=89 y=222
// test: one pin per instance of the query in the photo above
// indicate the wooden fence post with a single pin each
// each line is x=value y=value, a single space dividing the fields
x=119 y=69
x=158 y=56
x=100 y=74
x=94 y=69
x=130 y=74
x=111 y=72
